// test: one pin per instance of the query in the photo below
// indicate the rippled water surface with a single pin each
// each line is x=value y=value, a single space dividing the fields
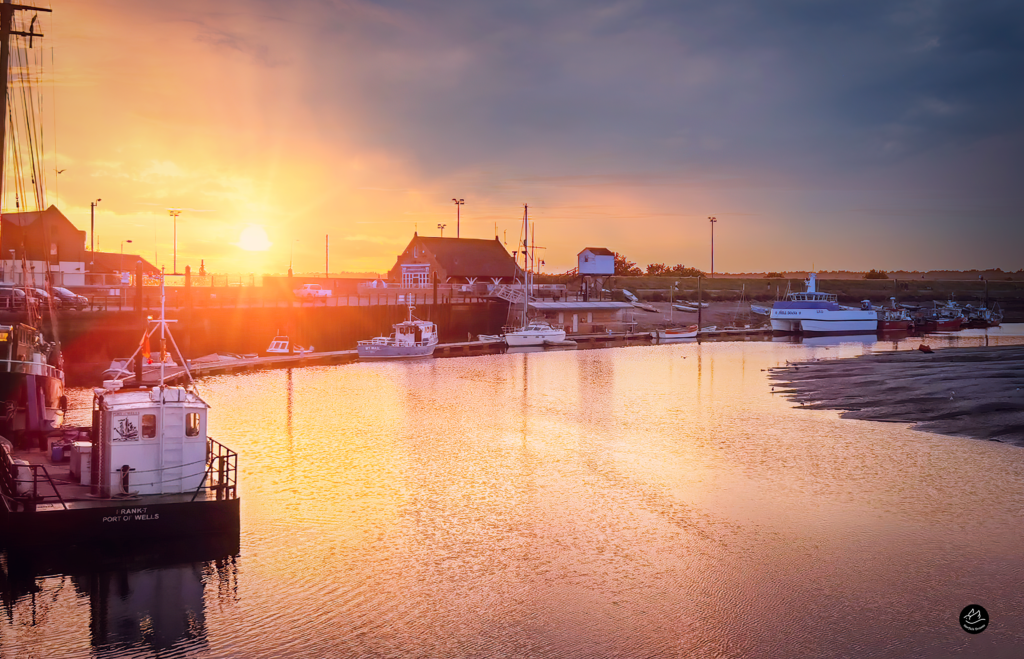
x=649 y=501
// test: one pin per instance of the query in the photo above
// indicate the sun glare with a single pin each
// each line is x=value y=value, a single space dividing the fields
x=254 y=239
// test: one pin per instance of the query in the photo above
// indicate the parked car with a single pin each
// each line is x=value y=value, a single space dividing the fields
x=71 y=300
x=15 y=298
x=44 y=298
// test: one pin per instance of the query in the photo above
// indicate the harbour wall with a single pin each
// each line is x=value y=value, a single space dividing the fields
x=91 y=340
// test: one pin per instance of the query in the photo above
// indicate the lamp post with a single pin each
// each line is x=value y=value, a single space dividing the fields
x=458 y=215
x=121 y=268
x=712 y=220
x=175 y=212
x=441 y=227
x=92 y=227
x=14 y=278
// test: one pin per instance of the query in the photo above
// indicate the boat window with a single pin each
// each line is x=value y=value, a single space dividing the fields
x=192 y=424
x=148 y=426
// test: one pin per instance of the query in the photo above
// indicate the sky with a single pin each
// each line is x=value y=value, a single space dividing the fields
x=825 y=135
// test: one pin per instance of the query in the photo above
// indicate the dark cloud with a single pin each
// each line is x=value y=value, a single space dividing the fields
x=810 y=87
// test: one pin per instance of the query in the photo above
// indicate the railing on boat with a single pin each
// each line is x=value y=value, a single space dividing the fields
x=10 y=478
x=221 y=471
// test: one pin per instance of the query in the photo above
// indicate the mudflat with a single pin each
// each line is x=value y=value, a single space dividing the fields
x=972 y=392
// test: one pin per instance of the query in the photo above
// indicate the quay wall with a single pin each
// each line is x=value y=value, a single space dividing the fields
x=92 y=340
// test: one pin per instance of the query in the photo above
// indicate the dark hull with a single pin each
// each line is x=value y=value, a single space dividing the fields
x=950 y=325
x=114 y=524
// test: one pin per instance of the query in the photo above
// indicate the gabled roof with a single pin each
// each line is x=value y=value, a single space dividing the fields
x=471 y=257
x=598 y=251
x=112 y=262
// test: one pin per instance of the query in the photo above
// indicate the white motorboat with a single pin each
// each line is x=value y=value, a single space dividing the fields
x=813 y=312
x=412 y=338
x=535 y=333
x=281 y=345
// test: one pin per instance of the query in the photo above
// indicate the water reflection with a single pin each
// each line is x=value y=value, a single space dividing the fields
x=637 y=501
x=117 y=601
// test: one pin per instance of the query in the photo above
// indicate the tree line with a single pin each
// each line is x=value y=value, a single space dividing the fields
x=626 y=268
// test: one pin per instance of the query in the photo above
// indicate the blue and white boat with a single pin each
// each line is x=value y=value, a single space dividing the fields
x=813 y=312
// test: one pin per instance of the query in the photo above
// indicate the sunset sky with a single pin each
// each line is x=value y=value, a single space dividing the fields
x=833 y=135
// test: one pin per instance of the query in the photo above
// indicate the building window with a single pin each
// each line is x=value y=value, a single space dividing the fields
x=192 y=424
x=561 y=318
x=590 y=316
x=148 y=426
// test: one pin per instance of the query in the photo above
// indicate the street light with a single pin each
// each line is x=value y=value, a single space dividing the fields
x=441 y=227
x=175 y=213
x=713 y=220
x=121 y=267
x=458 y=215
x=122 y=253
x=92 y=226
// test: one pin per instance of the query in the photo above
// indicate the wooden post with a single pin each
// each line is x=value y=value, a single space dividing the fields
x=700 y=307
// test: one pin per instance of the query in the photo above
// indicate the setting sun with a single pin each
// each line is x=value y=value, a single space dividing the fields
x=254 y=239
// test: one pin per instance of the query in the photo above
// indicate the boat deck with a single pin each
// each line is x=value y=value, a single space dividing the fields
x=77 y=496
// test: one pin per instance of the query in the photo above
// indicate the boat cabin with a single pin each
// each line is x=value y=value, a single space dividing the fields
x=415 y=333
x=151 y=441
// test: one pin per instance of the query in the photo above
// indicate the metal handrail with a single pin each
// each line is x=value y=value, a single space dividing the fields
x=226 y=460
x=47 y=369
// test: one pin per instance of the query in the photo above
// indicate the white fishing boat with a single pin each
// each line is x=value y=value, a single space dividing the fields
x=814 y=312
x=412 y=338
x=685 y=308
x=144 y=471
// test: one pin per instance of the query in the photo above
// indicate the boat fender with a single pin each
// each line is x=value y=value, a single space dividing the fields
x=22 y=476
x=64 y=404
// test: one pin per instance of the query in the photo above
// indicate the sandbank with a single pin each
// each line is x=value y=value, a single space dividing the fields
x=972 y=392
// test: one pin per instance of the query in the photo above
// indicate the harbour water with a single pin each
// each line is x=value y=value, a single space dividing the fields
x=646 y=501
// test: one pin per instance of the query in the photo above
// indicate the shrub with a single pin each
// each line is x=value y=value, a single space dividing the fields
x=876 y=274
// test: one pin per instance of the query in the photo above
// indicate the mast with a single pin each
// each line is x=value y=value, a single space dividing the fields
x=7 y=9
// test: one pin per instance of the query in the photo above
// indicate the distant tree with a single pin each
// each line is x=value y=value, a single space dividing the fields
x=626 y=268
x=656 y=269
x=876 y=274
x=679 y=270
x=773 y=275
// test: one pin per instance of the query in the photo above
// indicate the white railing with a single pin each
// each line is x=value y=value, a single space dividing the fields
x=30 y=368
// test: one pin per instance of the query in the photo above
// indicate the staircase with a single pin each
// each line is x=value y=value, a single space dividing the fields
x=513 y=294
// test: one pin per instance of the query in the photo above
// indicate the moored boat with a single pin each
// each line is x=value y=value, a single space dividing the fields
x=814 y=312
x=675 y=333
x=145 y=470
x=535 y=333
x=412 y=338
x=894 y=319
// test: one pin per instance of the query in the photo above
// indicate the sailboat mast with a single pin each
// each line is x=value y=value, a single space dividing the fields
x=7 y=10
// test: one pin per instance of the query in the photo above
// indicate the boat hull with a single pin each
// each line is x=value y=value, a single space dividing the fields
x=151 y=518
x=836 y=322
x=533 y=337
x=895 y=325
x=379 y=351
x=675 y=334
x=14 y=388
